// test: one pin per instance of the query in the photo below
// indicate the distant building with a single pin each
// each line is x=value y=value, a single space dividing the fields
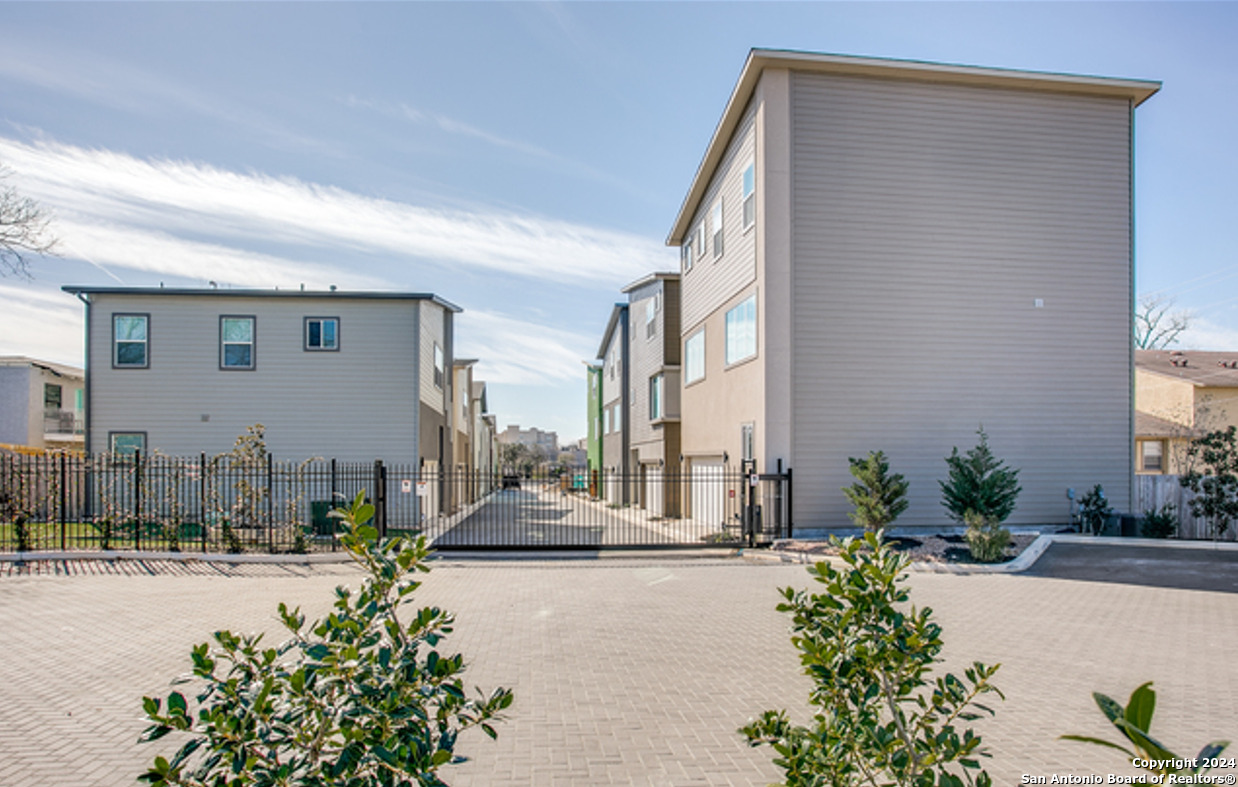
x=546 y=442
x=1179 y=396
x=593 y=413
x=42 y=404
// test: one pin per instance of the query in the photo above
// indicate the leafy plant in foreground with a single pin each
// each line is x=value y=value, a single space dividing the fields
x=1134 y=722
x=880 y=717
x=878 y=496
x=1160 y=522
x=362 y=698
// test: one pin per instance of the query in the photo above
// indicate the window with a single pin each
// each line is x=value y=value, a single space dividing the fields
x=618 y=417
x=126 y=443
x=698 y=240
x=651 y=316
x=322 y=333
x=741 y=331
x=130 y=339
x=610 y=420
x=1153 y=454
x=715 y=226
x=655 y=396
x=750 y=196
x=51 y=396
x=438 y=366
x=685 y=255
x=236 y=342
x=694 y=357
x=79 y=400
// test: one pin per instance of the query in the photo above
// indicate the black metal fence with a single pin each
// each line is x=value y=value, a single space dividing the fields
x=228 y=504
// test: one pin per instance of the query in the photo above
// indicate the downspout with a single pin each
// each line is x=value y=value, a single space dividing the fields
x=86 y=398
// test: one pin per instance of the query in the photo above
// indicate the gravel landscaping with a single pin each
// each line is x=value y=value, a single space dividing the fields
x=927 y=549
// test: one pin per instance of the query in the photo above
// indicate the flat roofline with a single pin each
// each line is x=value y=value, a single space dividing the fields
x=1136 y=90
x=212 y=292
x=650 y=277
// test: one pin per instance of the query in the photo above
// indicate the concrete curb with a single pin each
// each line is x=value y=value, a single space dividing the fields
x=184 y=557
x=1026 y=559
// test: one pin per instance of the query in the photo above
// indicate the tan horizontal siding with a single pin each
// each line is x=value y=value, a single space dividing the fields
x=926 y=221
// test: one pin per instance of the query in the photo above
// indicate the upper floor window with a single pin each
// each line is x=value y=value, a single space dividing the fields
x=698 y=240
x=236 y=342
x=51 y=396
x=715 y=227
x=651 y=316
x=750 y=195
x=322 y=333
x=438 y=366
x=694 y=357
x=656 y=384
x=741 y=331
x=685 y=255
x=130 y=341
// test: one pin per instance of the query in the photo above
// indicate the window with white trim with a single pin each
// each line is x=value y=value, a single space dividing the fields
x=741 y=331
x=651 y=316
x=656 y=385
x=685 y=255
x=236 y=342
x=1152 y=453
x=438 y=366
x=715 y=227
x=694 y=357
x=130 y=341
x=750 y=195
x=322 y=333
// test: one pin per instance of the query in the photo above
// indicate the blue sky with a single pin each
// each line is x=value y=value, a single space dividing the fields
x=523 y=160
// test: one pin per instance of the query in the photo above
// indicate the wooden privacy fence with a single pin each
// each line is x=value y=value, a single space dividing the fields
x=1154 y=491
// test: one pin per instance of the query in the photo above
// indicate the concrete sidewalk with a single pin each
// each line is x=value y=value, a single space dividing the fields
x=632 y=671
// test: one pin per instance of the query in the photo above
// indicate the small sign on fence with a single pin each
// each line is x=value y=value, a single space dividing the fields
x=406 y=485
x=423 y=489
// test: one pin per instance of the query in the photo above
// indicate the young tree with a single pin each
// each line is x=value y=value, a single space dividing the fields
x=878 y=497
x=1156 y=327
x=24 y=229
x=980 y=483
x=1213 y=477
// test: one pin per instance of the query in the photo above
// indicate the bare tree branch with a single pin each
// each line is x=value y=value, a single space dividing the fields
x=1156 y=327
x=25 y=229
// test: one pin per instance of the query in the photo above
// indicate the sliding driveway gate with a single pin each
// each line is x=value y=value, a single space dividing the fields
x=213 y=504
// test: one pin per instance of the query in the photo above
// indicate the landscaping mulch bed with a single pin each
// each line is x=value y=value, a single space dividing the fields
x=926 y=549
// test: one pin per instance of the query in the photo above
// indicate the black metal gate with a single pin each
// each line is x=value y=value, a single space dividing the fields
x=583 y=509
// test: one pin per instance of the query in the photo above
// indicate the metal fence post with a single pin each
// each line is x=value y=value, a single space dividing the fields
x=137 y=498
x=790 y=523
x=270 y=505
x=64 y=499
x=202 y=498
x=380 y=497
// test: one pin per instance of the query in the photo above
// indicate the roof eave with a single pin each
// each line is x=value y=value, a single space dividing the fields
x=758 y=60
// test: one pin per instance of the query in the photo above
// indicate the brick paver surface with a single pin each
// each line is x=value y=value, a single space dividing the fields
x=625 y=671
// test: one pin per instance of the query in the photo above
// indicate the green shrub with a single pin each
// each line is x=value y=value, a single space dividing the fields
x=362 y=698
x=881 y=717
x=1160 y=523
x=1094 y=511
x=979 y=482
x=1135 y=723
x=986 y=539
x=21 y=529
x=878 y=497
x=1213 y=477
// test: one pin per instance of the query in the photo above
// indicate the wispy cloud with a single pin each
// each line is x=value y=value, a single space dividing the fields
x=402 y=111
x=92 y=188
x=1206 y=335
x=59 y=318
x=518 y=352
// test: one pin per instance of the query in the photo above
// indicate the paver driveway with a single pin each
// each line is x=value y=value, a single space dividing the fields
x=629 y=671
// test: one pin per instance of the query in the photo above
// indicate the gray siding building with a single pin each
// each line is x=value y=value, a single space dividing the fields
x=42 y=404
x=885 y=255
x=348 y=375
